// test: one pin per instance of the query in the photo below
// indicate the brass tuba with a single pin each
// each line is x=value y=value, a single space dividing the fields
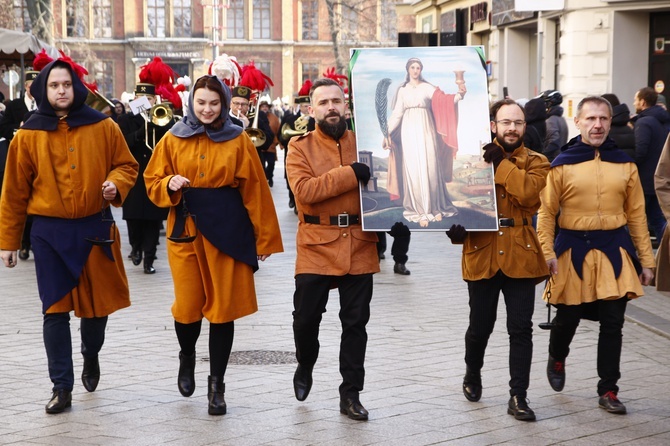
x=257 y=135
x=97 y=101
x=299 y=128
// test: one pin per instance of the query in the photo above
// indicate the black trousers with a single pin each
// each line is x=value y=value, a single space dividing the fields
x=58 y=344
x=25 y=238
x=268 y=162
x=144 y=235
x=519 y=297
x=399 y=248
x=309 y=301
x=611 y=316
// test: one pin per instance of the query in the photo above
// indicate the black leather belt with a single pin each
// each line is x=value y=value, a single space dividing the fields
x=341 y=220
x=509 y=222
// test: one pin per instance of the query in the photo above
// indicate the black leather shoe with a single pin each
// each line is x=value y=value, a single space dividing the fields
x=302 y=382
x=24 y=253
x=90 y=376
x=353 y=409
x=556 y=374
x=136 y=257
x=149 y=265
x=186 y=376
x=60 y=400
x=472 y=385
x=399 y=268
x=518 y=407
x=611 y=403
x=270 y=182
x=215 y=390
x=291 y=203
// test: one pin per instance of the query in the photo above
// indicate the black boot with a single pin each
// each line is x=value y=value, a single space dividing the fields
x=186 y=377
x=149 y=264
x=215 y=390
x=90 y=376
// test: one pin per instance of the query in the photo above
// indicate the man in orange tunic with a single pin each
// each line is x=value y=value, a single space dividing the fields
x=332 y=249
x=65 y=164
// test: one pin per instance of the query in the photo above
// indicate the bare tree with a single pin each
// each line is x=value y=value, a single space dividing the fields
x=353 y=23
x=7 y=14
x=41 y=18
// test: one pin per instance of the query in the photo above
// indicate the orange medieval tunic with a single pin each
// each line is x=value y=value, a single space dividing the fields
x=60 y=174
x=207 y=282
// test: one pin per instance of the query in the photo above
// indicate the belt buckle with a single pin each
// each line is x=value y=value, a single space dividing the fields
x=343 y=220
x=506 y=222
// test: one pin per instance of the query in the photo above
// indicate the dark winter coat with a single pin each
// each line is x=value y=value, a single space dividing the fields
x=557 y=132
x=623 y=134
x=651 y=130
x=138 y=206
x=536 y=129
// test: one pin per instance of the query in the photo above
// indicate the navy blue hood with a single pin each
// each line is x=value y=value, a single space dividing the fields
x=44 y=118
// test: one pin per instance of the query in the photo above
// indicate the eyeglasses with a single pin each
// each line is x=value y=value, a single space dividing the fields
x=187 y=238
x=105 y=217
x=240 y=104
x=508 y=123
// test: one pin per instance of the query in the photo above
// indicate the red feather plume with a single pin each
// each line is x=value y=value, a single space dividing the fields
x=157 y=73
x=304 y=90
x=339 y=78
x=42 y=59
x=254 y=78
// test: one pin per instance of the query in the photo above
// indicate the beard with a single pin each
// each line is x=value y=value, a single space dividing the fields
x=510 y=147
x=336 y=130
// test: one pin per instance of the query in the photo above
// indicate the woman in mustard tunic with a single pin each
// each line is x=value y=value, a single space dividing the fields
x=222 y=220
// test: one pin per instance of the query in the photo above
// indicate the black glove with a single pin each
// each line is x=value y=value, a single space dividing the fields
x=493 y=153
x=362 y=172
x=399 y=230
x=457 y=234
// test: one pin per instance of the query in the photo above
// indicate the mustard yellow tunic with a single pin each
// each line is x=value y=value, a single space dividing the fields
x=594 y=195
x=60 y=174
x=207 y=282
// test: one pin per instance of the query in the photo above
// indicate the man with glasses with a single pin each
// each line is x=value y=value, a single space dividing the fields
x=508 y=260
x=239 y=105
x=54 y=175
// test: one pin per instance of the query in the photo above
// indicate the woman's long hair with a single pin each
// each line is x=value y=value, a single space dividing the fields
x=211 y=83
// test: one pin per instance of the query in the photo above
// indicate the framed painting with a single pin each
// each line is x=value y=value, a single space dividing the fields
x=421 y=118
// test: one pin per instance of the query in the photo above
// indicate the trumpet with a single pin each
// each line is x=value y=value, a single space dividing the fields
x=299 y=128
x=159 y=115
x=257 y=136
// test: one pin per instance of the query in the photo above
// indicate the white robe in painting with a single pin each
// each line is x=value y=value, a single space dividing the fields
x=424 y=191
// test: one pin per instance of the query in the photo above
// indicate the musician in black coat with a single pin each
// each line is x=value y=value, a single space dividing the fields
x=290 y=119
x=143 y=218
x=14 y=116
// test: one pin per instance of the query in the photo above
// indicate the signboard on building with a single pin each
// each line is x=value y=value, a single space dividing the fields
x=539 y=5
x=478 y=12
x=503 y=12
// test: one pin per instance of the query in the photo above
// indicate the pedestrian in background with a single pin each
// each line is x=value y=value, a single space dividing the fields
x=207 y=167
x=53 y=175
x=602 y=254
x=652 y=126
x=622 y=129
x=557 y=127
x=508 y=260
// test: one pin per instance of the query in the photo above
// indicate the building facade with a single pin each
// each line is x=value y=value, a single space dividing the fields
x=288 y=40
x=579 y=47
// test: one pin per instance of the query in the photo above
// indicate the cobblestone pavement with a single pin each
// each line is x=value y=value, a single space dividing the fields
x=414 y=368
